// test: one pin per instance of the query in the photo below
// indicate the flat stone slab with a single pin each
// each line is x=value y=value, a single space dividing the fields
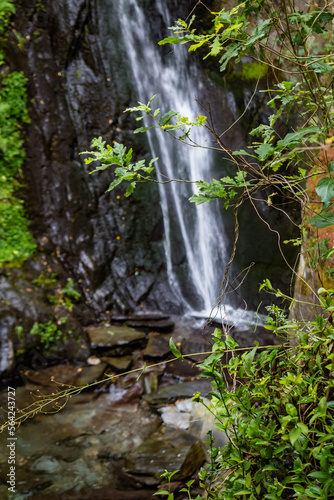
x=66 y=374
x=119 y=364
x=157 y=347
x=163 y=325
x=171 y=393
x=112 y=335
x=144 y=316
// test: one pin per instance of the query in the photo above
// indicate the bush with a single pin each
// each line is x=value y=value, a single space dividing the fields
x=278 y=412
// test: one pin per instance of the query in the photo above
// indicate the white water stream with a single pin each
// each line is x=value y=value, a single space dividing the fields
x=195 y=242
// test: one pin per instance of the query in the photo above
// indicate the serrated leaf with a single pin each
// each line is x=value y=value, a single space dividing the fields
x=113 y=185
x=231 y=52
x=175 y=350
x=142 y=129
x=264 y=151
x=130 y=189
x=199 y=199
x=215 y=47
x=242 y=152
x=123 y=174
x=170 y=39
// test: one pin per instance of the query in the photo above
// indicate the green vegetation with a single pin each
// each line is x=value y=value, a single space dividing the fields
x=16 y=242
x=64 y=297
x=279 y=416
x=45 y=279
x=253 y=71
x=47 y=333
x=275 y=404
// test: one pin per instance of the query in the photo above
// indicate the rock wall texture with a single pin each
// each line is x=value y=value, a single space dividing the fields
x=79 y=86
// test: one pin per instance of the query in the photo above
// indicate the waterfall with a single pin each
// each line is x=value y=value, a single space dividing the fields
x=195 y=242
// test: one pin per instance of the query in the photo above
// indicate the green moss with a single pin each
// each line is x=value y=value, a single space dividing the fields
x=16 y=241
x=253 y=71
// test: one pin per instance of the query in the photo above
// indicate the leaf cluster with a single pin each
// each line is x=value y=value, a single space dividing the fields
x=279 y=420
x=118 y=156
x=49 y=333
x=65 y=297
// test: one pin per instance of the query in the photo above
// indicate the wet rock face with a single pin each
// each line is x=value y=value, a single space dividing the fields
x=79 y=86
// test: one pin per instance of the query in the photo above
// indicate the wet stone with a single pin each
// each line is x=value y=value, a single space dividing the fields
x=173 y=449
x=147 y=316
x=119 y=364
x=162 y=326
x=109 y=336
x=66 y=374
x=183 y=369
x=157 y=347
x=171 y=393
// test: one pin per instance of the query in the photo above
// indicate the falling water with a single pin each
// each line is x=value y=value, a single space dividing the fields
x=195 y=243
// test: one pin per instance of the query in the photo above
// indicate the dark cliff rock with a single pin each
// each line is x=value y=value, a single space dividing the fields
x=79 y=87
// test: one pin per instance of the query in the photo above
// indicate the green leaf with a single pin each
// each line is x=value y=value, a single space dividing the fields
x=294 y=434
x=320 y=221
x=130 y=189
x=321 y=67
x=303 y=427
x=113 y=185
x=199 y=199
x=264 y=151
x=215 y=47
x=325 y=190
x=269 y=467
x=175 y=350
x=142 y=129
x=319 y=475
x=291 y=410
x=243 y=152
x=230 y=343
x=249 y=360
x=232 y=51
x=170 y=39
x=294 y=138
x=123 y=174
